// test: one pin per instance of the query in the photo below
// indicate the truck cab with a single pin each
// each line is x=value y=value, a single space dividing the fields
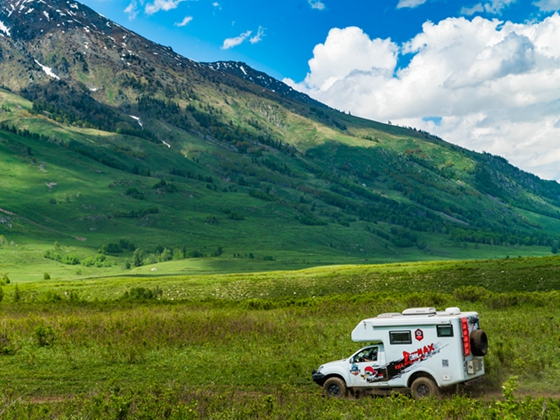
x=420 y=348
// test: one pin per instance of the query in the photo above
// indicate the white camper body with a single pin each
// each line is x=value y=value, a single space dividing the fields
x=420 y=348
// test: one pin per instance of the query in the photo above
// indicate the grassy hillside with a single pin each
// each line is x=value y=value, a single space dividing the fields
x=179 y=347
x=318 y=196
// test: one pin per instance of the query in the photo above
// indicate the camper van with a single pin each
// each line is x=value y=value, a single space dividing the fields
x=421 y=349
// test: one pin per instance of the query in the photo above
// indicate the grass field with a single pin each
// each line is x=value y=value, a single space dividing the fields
x=243 y=345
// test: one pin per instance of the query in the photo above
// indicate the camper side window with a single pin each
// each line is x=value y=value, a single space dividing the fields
x=400 y=337
x=444 y=330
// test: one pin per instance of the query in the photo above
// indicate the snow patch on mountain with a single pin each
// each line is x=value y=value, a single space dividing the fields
x=48 y=70
x=138 y=120
x=4 y=28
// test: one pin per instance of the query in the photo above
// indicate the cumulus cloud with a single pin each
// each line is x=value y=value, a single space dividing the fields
x=184 y=22
x=316 y=4
x=483 y=84
x=409 y=3
x=164 y=5
x=234 y=42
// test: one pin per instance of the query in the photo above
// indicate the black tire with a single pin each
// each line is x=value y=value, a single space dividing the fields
x=335 y=388
x=424 y=388
x=479 y=343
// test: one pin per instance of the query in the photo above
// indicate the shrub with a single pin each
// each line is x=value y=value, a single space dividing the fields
x=471 y=293
x=6 y=347
x=5 y=280
x=134 y=193
x=46 y=276
x=140 y=294
x=44 y=336
x=17 y=294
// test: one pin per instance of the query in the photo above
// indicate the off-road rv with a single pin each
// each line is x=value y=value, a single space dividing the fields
x=421 y=349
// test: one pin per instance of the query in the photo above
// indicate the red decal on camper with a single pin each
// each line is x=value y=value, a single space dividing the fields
x=417 y=356
x=419 y=334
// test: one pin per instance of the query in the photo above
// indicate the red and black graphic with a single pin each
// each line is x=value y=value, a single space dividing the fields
x=397 y=367
x=373 y=375
x=419 y=334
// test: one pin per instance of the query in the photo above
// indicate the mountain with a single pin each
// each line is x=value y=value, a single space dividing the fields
x=245 y=72
x=111 y=142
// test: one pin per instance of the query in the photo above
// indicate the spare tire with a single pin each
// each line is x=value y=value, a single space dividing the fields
x=479 y=343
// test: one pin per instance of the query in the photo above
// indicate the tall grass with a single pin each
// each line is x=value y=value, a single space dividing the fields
x=243 y=346
x=186 y=359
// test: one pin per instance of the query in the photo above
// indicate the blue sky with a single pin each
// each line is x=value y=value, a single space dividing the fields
x=483 y=74
x=289 y=29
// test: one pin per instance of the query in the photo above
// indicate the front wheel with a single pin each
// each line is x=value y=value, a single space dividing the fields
x=424 y=388
x=335 y=388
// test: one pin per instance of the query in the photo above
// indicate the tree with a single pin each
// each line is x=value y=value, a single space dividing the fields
x=166 y=255
x=554 y=247
x=178 y=254
x=137 y=258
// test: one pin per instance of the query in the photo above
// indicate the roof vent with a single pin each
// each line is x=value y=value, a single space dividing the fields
x=419 y=311
x=453 y=310
x=389 y=315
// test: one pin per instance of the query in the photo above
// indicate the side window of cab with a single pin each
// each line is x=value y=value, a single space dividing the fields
x=369 y=354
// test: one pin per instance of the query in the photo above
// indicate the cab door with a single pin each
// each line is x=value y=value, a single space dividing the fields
x=368 y=367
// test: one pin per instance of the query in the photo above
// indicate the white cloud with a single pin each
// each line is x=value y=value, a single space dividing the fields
x=164 y=5
x=469 y=11
x=491 y=86
x=410 y=3
x=184 y=22
x=496 y=6
x=258 y=36
x=132 y=10
x=548 y=5
x=316 y=4
x=234 y=42
x=217 y=5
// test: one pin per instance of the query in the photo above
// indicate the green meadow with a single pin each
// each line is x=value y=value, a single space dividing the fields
x=242 y=345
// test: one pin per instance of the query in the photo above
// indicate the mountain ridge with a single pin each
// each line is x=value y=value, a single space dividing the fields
x=202 y=157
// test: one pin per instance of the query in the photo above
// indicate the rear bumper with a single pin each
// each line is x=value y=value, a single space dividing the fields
x=474 y=381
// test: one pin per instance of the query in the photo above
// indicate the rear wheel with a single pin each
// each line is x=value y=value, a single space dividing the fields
x=479 y=343
x=424 y=388
x=335 y=388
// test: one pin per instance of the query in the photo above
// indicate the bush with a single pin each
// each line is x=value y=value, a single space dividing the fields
x=44 y=336
x=134 y=193
x=471 y=294
x=6 y=347
x=46 y=276
x=5 y=280
x=141 y=294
